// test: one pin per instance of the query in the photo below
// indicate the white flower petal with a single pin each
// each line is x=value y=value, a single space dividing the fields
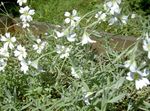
x=130 y=76
x=74 y=73
x=67 y=14
x=74 y=12
x=24 y=66
x=3 y=38
x=72 y=37
x=86 y=39
x=67 y=20
x=149 y=55
x=59 y=34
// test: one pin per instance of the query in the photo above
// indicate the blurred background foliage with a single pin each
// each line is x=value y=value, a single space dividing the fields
x=53 y=10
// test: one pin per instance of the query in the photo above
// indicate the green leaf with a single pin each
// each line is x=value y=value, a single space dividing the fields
x=26 y=106
x=147 y=104
x=117 y=98
x=119 y=83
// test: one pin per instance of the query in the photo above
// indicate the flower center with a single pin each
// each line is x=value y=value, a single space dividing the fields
x=136 y=76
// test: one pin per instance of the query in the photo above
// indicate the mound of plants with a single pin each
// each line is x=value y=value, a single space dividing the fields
x=59 y=71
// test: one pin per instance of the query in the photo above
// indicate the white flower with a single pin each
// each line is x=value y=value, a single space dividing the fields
x=24 y=66
x=20 y=52
x=26 y=14
x=25 y=25
x=4 y=52
x=112 y=20
x=124 y=19
x=100 y=16
x=139 y=78
x=86 y=39
x=71 y=18
x=59 y=34
x=131 y=65
x=141 y=83
x=146 y=45
x=71 y=37
x=3 y=63
x=39 y=46
x=86 y=96
x=133 y=16
x=112 y=7
x=20 y=2
x=76 y=73
x=8 y=41
x=63 y=51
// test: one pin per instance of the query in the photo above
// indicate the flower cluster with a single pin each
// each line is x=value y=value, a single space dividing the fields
x=71 y=18
x=101 y=16
x=63 y=51
x=26 y=14
x=8 y=42
x=136 y=75
x=112 y=13
x=139 y=74
x=70 y=33
x=112 y=7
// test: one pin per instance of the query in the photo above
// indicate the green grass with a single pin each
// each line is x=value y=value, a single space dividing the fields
x=53 y=10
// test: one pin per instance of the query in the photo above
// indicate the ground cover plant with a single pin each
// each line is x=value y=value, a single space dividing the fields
x=59 y=70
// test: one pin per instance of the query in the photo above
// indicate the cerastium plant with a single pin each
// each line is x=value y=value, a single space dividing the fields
x=59 y=71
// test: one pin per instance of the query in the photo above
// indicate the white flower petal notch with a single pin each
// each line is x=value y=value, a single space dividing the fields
x=86 y=39
x=63 y=51
x=9 y=41
x=20 y=2
x=139 y=78
x=20 y=53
